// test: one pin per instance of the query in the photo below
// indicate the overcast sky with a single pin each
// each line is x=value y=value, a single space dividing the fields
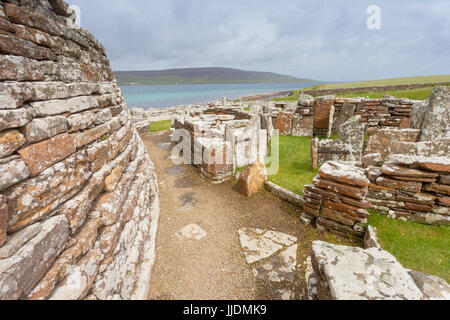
x=323 y=40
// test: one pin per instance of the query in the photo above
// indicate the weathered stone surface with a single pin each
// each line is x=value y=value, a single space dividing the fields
x=371 y=239
x=57 y=94
x=20 y=47
x=438 y=188
x=315 y=153
x=352 y=134
x=20 y=69
x=283 y=122
x=372 y=160
x=112 y=179
x=279 y=268
x=3 y=222
x=23 y=270
x=13 y=172
x=437 y=147
x=85 y=137
x=255 y=246
x=302 y=126
x=437 y=164
x=436 y=123
x=36 y=198
x=10 y=141
x=418 y=112
x=349 y=273
x=284 y=194
x=434 y=288
x=381 y=141
x=272 y=254
x=431 y=219
x=55 y=107
x=322 y=109
x=410 y=186
x=44 y=128
x=15 y=118
x=253 y=179
x=351 y=192
x=343 y=173
x=347 y=112
x=305 y=100
x=191 y=231
x=80 y=121
x=42 y=155
x=394 y=170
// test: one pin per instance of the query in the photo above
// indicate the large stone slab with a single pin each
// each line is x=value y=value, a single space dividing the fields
x=10 y=141
x=302 y=126
x=272 y=254
x=19 y=273
x=253 y=179
x=350 y=273
x=352 y=134
x=344 y=173
x=283 y=122
x=42 y=155
x=13 y=172
x=347 y=112
x=322 y=110
x=436 y=123
x=381 y=141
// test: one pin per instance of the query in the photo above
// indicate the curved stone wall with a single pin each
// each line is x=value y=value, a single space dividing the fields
x=78 y=192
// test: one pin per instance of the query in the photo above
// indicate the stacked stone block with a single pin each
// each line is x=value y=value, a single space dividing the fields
x=336 y=199
x=78 y=192
x=221 y=140
x=413 y=188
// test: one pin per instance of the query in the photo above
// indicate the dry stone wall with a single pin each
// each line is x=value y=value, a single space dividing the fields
x=78 y=192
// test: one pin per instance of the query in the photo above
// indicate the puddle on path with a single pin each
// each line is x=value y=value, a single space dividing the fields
x=175 y=171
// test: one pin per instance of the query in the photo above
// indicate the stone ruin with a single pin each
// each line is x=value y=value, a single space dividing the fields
x=218 y=141
x=337 y=199
x=408 y=179
x=78 y=192
x=350 y=273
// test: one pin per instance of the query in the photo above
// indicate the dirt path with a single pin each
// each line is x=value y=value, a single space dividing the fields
x=214 y=267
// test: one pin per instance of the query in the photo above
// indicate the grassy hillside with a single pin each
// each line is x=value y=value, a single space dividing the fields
x=385 y=82
x=413 y=94
x=201 y=76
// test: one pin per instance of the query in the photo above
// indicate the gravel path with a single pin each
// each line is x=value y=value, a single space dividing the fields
x=214 y=267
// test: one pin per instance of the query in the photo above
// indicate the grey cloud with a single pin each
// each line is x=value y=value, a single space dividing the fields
x=315 y=39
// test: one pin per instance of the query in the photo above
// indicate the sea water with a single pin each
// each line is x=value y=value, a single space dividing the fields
x=162 y=96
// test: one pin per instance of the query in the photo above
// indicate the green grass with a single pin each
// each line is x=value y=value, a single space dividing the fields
x=247 y=109
x=159 y=126
x=295 y=164
x=418 y=247
x=385 y=82
x=413 y=94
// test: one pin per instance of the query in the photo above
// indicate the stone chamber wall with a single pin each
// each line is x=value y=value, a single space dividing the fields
x=221 y=140
x=404 y=173
x=78 y=192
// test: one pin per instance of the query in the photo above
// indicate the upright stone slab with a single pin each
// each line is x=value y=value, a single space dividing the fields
x=302 y=126
x=322 y=111
x=283 y=122
x=347 y=112
x=436 y=123
x=350 y=273
x=352 y=134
